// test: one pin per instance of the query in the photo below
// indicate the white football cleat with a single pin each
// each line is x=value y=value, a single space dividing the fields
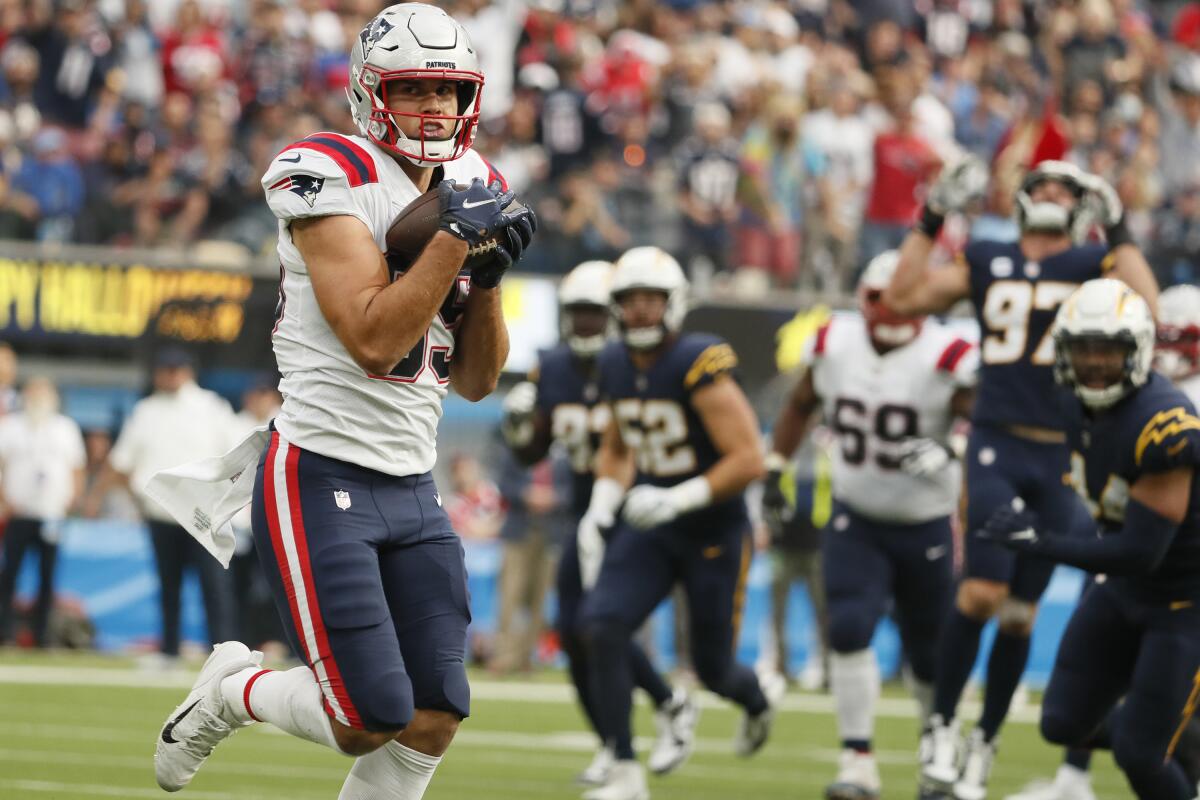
x=626 y=781
x=939 y=754
x=755 y=728
x=676 y=721
x=1069 y=784
x=201 y=721
x=857 y=778
x=977 y=766
x=596 y=773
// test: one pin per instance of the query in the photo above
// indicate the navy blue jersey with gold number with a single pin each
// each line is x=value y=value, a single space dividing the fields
x=1015 y=303
x=1154 y=429
x=654 y=408
x=568 y=393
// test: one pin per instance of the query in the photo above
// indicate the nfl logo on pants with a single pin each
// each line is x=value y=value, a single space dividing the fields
x=342 y=498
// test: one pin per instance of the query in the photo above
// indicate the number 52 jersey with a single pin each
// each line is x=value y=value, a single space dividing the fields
x=331 y=405
x=873 y=402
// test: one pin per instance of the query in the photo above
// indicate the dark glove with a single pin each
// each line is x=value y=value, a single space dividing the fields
x=473 y=214
x=510 y=246
x=1013 y=527
x=775 y=507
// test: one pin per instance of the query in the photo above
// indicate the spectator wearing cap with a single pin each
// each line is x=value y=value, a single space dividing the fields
x=179 y=422
x=41 y=461
x=53 y=180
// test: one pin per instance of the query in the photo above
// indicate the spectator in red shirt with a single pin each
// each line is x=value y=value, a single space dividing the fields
x=475 y=507
x=903 y=164
x=193 y=49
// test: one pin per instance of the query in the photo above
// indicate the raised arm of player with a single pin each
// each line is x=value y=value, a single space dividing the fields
x=916 y=289
x=378 y=321
x=1130 y=265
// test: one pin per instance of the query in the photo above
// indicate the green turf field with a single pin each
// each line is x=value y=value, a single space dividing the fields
x=84 y=728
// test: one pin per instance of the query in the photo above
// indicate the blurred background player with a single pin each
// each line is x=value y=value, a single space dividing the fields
x=41 y=480
x=891 y=388
x=560 y=404
x=1016 y=446
x=1178 y=352
x=1134 y=639
x=681 y=447
x=365 y=567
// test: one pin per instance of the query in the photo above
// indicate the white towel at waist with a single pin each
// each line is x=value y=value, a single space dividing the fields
x=203 y=496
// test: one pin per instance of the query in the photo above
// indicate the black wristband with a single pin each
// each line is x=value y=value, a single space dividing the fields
x=930 y=222
x=1118 y=234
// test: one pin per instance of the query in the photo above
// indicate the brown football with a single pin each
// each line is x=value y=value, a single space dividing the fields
x=417 y=224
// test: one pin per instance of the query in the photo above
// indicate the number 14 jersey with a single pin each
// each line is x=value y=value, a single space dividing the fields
x=1015 y=302
x=873 y=402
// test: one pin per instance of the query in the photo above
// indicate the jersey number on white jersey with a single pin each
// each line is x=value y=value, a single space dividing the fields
x=855 y=424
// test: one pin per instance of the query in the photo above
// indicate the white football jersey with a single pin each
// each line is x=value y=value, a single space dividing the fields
x=331 y=405
x=874 y=402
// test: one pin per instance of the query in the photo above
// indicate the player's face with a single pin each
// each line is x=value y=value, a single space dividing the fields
x=588 y=320
x=433 y=97
x=643 y=308
x=1052 y=192
x=1098 y=363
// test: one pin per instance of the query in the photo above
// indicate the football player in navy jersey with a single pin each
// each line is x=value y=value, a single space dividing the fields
x=1135 y=636
x=560 y=404
x=1017 y=446
x=681 y=448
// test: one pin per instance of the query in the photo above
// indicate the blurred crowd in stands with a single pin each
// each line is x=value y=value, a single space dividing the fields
x=771 y=143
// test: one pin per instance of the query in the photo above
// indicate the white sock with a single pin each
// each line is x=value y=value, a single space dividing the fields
x=854 y=678
x=923 y=692
x=291 y=701
x=393 y=771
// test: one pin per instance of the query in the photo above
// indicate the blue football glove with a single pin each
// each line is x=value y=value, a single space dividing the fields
x=511 y=244
x=473 y=214
x=1012 y=526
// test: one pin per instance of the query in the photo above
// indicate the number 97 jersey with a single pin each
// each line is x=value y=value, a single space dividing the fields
x=1015 y=302
x=873 y=402
x=654 y=412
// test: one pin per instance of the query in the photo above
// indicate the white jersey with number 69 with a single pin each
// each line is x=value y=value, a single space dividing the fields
x=873 y=402
x=331 y=405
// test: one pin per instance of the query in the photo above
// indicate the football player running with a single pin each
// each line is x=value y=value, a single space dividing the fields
x=366 y=570
x=1178 y=353
x=681 y=447
x=1017 y=446
x=560 y=403
x=1134 y=638
x=890 y=388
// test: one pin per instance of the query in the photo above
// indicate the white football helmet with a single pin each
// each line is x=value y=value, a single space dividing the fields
x=1178 y=353
x=650 y=268
x=887 y=328
x=1104 y=311
x=1047 y=217
x=586 y=286
x=407 y=41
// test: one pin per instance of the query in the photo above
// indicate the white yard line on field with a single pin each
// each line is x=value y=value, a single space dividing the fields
x=57 y=788
x=509 y=691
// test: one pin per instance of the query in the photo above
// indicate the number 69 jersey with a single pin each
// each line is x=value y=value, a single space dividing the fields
x=331 y=406
x=654 y=412
x=1015 y=302
x=874 y=401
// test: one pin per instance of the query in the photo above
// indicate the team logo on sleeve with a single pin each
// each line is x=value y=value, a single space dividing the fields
x=306 y=186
